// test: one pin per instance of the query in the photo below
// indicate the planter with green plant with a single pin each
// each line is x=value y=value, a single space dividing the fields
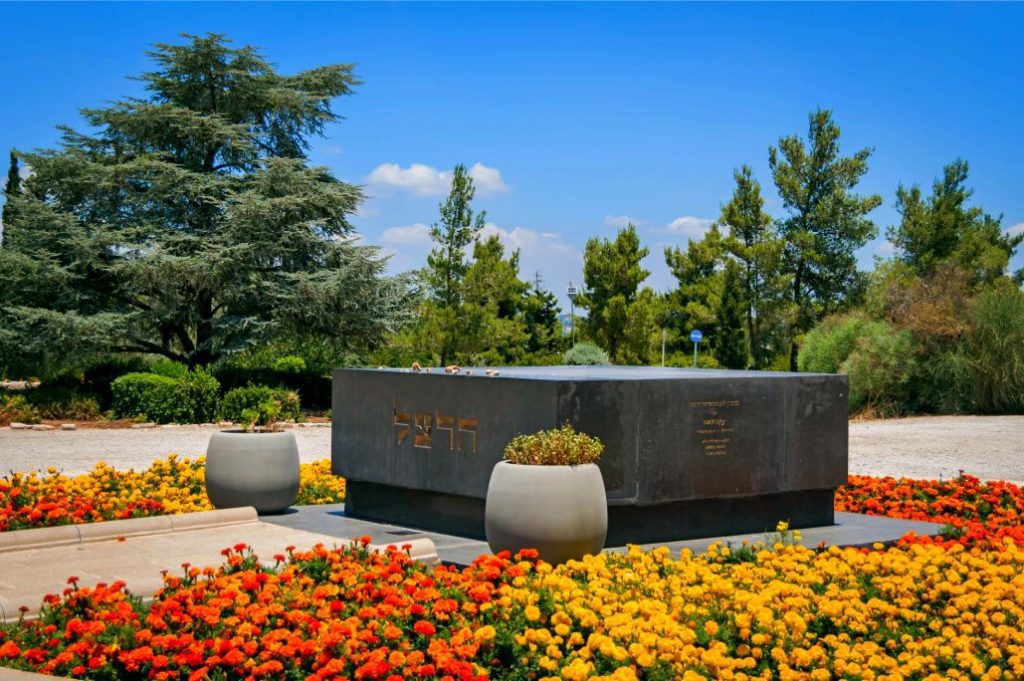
x=257 y=466
x=548 y=494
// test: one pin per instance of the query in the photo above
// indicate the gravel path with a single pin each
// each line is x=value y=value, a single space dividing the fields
x=78 y=451
x=990 y=447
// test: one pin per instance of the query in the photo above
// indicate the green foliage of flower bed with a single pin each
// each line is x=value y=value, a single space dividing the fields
x=555 y=447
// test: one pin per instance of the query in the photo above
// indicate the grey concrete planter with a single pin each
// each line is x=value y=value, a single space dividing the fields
x=559 y=510
x=252 y=469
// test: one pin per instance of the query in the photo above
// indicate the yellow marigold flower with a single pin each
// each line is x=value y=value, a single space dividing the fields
x=485 y=634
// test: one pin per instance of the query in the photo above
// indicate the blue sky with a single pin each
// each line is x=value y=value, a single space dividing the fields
x=580 y=116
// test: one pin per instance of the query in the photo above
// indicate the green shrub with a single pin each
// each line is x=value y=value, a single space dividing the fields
x=74 y=408
x=882 y=369
x=165 y=367
x=292 y=364
x=586 y=354
x=200 y=394
x=97 y=377
x=881 y=361
x=987 y=373
x=16 y=409
x=684 y=360
x=237 y=401
x=830 y=343
x=152 y=395
x=62 y=400
x=555 y=447
x=192 y=399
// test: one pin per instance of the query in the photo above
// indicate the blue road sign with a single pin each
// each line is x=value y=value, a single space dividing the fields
x=695 y=336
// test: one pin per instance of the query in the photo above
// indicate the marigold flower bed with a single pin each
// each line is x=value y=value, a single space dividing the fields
x=912 y=612
x=927 y=609
x=172 y=485
x=975 y=512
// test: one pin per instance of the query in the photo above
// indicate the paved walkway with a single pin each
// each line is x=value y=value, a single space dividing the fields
x=990 y=447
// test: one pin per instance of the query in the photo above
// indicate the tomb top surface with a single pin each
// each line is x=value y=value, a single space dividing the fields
x=598 y=373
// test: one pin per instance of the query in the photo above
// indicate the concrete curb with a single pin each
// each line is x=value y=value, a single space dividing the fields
x=65 y=535
x=421 y=549
x=16 y=675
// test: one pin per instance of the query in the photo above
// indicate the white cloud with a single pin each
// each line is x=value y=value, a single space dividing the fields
x=689 y=226
x=487 y=180
x=1014 y=230
x=423 y=180
x=885 y=248
x=418 y=178
x=548 y=253
x=416 y=233
x=622 y=221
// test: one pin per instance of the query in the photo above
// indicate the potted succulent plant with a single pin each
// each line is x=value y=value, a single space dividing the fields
x=256 y=466
x=548 y=494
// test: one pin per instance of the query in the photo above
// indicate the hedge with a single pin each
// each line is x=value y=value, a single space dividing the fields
x=191 y=399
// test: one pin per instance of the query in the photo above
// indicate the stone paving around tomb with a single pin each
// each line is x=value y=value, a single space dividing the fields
x=851 y=529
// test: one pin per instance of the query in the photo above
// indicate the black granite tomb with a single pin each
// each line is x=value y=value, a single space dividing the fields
x=688 y=452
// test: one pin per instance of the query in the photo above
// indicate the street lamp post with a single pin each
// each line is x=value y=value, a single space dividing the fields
x=572 y=292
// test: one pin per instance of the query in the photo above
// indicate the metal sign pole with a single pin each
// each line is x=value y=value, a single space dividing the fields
x=695 y=337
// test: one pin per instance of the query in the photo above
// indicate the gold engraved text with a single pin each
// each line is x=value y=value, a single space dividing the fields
x=714 y=426
x=467 y=427
x=424 y=426
x=402 y=421
x=424 y=429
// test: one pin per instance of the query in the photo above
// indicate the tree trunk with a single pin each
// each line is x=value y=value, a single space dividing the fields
x=794 y=349
x=204 y=355
x=750 y=318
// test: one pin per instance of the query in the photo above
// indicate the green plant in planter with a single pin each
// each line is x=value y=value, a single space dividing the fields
x=554 y=447
x=236 y=401
x=263 y=416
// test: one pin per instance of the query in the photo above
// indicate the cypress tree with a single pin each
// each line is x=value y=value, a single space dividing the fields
x=11 y=189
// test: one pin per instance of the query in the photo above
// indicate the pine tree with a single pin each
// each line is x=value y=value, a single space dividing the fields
x=612 y=274
x=942 y=228
x=544 y=329
x=447 y=265
x=730 y=342
x=826 y=222
x=493 y=329
x=695 y=300
x=752 y=242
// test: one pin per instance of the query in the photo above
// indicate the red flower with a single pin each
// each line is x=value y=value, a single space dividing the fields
x=424 y=628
